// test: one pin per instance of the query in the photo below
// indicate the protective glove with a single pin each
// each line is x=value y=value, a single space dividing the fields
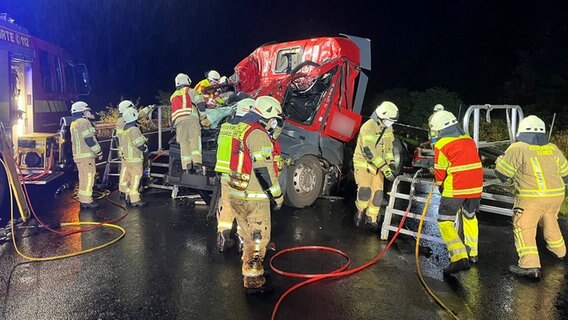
x=388 y=173
x=205 y=123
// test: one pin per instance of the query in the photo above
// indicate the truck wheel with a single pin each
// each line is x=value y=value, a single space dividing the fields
x=303 y=182
x=401 y=155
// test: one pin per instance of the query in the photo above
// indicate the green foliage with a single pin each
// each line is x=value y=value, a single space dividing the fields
x=416 y=106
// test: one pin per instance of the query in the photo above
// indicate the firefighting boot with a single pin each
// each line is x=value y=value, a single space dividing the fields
x=139 y=203
x=455 y=267
x=372 y=223
x=533 y=273
x=359 y=218
x=260 y=284
x=91 y=205
x=224 y=240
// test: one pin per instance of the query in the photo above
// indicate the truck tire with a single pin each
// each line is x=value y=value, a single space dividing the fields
x=303 y=182
x=401 y=155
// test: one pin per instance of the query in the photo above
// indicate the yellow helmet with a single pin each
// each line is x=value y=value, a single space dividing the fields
x=123 y=105
x=130 y=115
x=387 y=111
x=267 y=107
x=532 y=124
x=442 y=119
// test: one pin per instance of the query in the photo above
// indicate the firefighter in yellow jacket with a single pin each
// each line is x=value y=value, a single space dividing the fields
x=226 y=216
x=119 y=128
x=539 y=171
x=254 y=186
x=459 y=176
x=186 y=121
x=85 y=149
x=373 y=161
x=133 y=149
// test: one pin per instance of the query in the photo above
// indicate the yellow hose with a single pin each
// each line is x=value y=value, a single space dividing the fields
x=418 y=270
x=66 y=224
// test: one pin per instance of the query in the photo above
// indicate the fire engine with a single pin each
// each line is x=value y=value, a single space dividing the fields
x=38 y=82
x=321 y=86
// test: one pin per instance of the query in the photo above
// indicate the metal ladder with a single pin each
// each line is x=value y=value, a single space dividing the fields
x=111 y=160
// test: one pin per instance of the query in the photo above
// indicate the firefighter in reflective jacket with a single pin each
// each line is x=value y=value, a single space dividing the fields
x=459 y=177
x=226 y=216
x=133 y=149
x=539 y=171
x=118 y=129
x=253 y=186
x=186 y=121
x=373 y=160
x=212 y=98
x=85 y=149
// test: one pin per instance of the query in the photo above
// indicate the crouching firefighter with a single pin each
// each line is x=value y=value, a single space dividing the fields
x=373 y=161
x=186 y=121
x=459 y=176
x=226 y=216
x=85 y=149
x=253 y=185
x=118 y=130
x=133 y=149
x=539 y=171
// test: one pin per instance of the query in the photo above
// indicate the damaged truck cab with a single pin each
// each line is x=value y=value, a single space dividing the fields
x=315 y=80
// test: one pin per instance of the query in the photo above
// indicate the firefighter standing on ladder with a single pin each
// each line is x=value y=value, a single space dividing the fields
x=459 y=176
x=254 y=186
x=186 y=121
x=85 y=149
x=373 y=161
x=226 y=213
x=539 y=171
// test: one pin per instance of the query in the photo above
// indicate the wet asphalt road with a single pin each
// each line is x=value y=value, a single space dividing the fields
x=167 y=267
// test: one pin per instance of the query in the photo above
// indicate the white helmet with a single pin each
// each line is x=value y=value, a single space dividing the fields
x=532 y=124
x=438 y=107
x=244 y=106
x=442 y=120
x=387 y=111
x=213 y=75
x=123 y=105
x=79 y=106
x=182 y=79
x=223 y=80
x=130 y=115
x=267 y=107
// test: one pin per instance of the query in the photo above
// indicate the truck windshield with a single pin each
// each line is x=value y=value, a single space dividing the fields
x=304 y=96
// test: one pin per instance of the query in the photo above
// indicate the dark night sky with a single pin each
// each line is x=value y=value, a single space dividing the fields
x=136 y=47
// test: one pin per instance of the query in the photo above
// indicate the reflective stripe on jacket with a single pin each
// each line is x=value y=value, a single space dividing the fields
x=381 y=151
x=80 y=130
x=224 y=148
x=536 y=170
x=181 y=104
x=458 y=168
x=133 y=138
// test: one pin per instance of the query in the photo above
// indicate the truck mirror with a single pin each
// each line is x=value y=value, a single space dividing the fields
x=82 y=79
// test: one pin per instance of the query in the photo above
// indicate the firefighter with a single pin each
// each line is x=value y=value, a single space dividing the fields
x=119 y=127
x=85 y=149
x=431 y=133
x=373 y=161
x=225 y=215
x=133 y=149
x=253 y=187
x=186 y=121
x=212 y=98
x=539 y=171
x=459 y=176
